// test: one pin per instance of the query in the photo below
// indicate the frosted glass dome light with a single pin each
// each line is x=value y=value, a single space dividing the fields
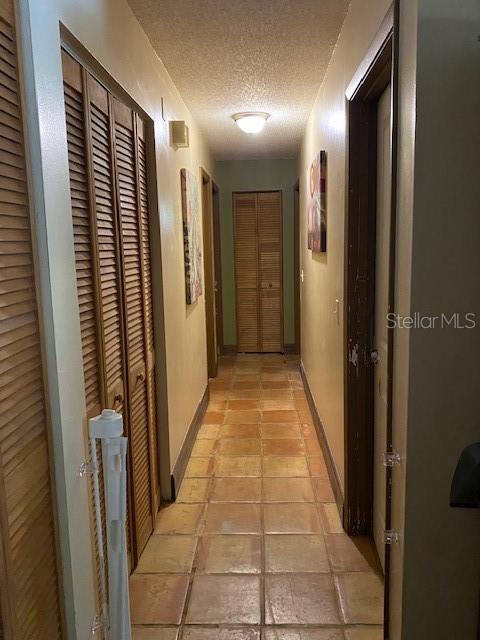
x=251 y=122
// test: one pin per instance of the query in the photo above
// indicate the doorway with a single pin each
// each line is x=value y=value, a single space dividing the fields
x=209 y=271
x=217 y=250
x=296 y=265
x=258 y=271
x=369 y=254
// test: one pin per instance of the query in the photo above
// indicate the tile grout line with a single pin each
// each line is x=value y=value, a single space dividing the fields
x=199 y=533
x=263 y=558
x=318 y=509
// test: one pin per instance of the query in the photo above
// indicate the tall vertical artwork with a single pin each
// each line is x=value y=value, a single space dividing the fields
x=317 y=204
x=192 y=244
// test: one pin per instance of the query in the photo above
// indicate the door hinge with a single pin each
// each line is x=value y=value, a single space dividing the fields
x=391 y=536
x=391 y=458
x=98 y=622
x=84 y=469
x=374 y=357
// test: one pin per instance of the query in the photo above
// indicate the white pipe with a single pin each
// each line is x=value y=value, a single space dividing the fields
x=114 y=460
x=108 y=427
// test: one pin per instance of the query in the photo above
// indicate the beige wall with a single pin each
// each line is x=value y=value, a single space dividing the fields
x=108 y=30
x=322 y=328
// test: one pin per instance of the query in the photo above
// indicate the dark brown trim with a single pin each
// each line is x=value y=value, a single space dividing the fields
x=296 y=264
x=187 y=446
x=362 y=100
x=327 y=454
x=379 y=67
x=217 y=253
x=209 y=274
x=230 y=350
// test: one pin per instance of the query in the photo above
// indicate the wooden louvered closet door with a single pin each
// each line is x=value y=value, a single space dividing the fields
x=246 y=272
x=269 y=215
x=135 y=330
x=29 y=575
x=142 y=189
x=91 y=181
x=108 y=180
x=258 y=271
x=104 y=241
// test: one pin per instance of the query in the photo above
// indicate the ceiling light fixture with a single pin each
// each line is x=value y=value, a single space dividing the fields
x=251 y=122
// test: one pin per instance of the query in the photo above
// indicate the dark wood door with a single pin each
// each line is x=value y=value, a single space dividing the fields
x=218 y=267
x=209 y=275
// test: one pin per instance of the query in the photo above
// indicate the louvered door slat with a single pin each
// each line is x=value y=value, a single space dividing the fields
x=29 y=582
x=86 y=267
x=246 y=271
x=130 y=233
x=269 y=206
x=82 y=234
x=107 y=245
x=142 y=187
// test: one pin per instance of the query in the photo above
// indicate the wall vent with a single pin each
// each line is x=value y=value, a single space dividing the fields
x=178 y=134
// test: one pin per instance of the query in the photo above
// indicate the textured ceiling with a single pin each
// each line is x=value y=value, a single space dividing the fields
x=227 y=56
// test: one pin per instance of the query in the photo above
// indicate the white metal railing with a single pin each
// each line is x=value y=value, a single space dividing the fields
x=108 y=428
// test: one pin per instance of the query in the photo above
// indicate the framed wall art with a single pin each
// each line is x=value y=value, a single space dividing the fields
x=192 y=241
x=317 y=204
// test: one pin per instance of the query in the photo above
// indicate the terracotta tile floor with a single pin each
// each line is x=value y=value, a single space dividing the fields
x=253 y=548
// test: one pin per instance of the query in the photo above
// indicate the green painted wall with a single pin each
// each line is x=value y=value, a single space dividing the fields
x=255 y=175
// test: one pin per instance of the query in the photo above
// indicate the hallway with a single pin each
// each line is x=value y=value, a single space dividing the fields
x=253 y=544
x=188 y=187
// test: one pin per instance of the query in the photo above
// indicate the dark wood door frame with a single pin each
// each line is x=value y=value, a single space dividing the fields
x=377 y=70
x=296 y=264
x=217 y=250
x=209 y=274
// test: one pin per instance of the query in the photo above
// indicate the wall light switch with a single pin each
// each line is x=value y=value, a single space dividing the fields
x=336 y=311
